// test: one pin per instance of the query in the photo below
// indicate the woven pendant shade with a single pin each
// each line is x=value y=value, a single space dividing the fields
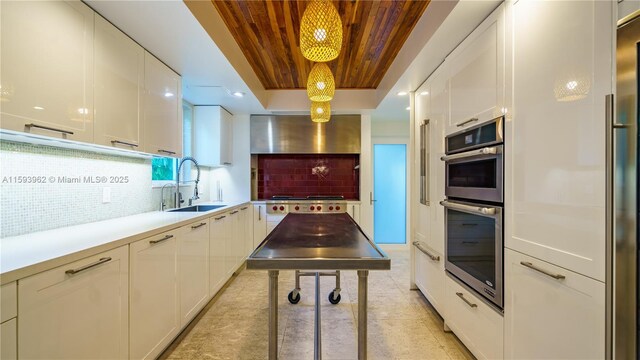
x=320 y=84
x=320 y=31
x=320 y=111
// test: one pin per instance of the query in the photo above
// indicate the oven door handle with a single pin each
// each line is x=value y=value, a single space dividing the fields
x=481 y=210
x=484 y=151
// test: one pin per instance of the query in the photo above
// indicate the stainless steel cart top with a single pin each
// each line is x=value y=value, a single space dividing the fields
x=318 y=242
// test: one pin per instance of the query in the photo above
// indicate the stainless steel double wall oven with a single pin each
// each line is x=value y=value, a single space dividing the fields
x=474 y=180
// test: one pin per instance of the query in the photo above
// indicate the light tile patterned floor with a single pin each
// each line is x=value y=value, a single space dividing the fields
x=402 y=324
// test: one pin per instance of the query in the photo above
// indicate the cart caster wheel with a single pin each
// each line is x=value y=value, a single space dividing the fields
x=332 y=300
x=292 y=299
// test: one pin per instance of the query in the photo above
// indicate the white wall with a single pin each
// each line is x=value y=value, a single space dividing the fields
x=395 y=129
x=235 y=180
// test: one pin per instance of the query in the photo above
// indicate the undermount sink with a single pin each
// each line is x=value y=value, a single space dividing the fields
x=198 y=208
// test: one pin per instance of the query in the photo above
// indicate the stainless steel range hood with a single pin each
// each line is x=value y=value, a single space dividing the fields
x=297 y=134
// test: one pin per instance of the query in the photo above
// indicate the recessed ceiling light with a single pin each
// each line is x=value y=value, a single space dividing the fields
x=168 y=94
x=408 y=108
x=402 y=93
x=424 y=93
x=238 y=94
x=38 y=107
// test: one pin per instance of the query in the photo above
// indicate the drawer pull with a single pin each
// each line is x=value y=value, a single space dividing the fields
x=425 y=251
x=48 y=128
x=161 y=240
x=461 y=296
x=244 y=208
x=199 y=225
x=466 y=122
x=531 y=266
x=221 y=217
x=114 y=142
x=259 y=213
x=233 y=212
x=226 y=163
x=88 y=266
x=166 y=152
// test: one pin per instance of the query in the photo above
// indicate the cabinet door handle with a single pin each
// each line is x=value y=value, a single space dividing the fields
x=531 y=266
x=233 y=212
x=259 y=213
x=48 y=128
x=114 y=142
x=166 y=152
x=461 y=296
x=244 y=208
x=371 y=200
x=466 y=122
x=226 y=163
x=199 y=225
x=88 y=266
x=161 y=240
x=425 y=251
x=221 y=217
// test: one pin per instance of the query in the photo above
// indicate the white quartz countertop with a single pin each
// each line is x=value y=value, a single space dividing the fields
x=29 y=254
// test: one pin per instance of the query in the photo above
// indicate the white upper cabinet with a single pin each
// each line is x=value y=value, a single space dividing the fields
x=551 y=313
x=162 y=109
x=76 y=311
x=47 y=68
x=562 y=62
x=213 y=135
x=477 y=75
x=119 y=87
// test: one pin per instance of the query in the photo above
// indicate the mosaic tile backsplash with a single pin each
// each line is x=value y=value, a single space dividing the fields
x=305 y=175
x=45 y=187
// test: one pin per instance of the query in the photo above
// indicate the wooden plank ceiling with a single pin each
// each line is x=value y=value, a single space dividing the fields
x=373 y=33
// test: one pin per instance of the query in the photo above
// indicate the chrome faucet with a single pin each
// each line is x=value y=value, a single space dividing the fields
x=162 y=204
x=195 y=190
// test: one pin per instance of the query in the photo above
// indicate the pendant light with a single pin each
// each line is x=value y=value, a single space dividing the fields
x=320 y=111
x=320 y=31
x=320 y=84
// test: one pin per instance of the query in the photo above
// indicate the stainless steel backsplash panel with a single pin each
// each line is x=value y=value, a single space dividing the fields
x=297 y=134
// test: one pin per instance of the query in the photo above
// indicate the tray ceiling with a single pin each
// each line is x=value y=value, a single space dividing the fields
x=267 y=34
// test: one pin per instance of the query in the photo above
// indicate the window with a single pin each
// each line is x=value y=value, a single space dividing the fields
x=163 y=169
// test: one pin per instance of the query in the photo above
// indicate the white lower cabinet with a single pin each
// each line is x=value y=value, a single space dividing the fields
x=193 y=269
x=76 y=311
x=246 y=231
x=218 y=240
x=259 y=224
x=551 y=318
x=476 y=324
x=155 y=315
x=235 y=246
x=429 y=274
x=354 y=212
x=9 y=340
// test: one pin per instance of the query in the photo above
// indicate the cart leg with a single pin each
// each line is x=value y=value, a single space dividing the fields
x=336 y=291
x=296 y=290
x=362 y=314
x=317 y=348
x=273 y=314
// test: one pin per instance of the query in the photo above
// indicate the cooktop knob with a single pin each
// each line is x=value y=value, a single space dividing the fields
x=275 y=208
x=319 y=207
x=330 y=208
x=281 y=208
x=312 y=207
x=297 y=208
x=338 y=208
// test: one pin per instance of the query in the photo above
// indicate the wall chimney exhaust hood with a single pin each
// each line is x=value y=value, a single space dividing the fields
x=297 y=134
